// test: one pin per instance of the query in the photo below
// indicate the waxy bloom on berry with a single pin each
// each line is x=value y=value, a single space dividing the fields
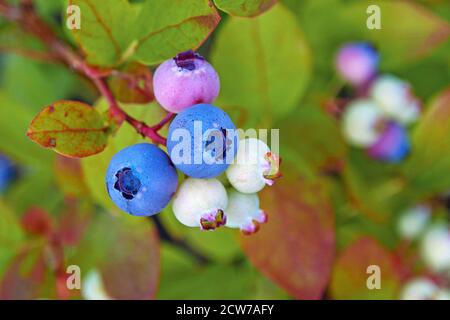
x=243 y=212
x=141 y=180
x=184 y=81
x=201 y=203
x=255 y=166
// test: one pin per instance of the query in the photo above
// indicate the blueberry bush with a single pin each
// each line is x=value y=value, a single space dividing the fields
x=94 y=205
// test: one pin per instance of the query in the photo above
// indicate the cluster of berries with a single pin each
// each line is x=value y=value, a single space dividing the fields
x=8 y=173
x=203 y=144
x=433 y=239
x=384 y=105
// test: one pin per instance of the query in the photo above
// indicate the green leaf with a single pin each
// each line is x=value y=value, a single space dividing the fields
x=94 y=167
x=322 y=148
x=105 y=32
x=244 y=8
x=43 y=83
x=428 y=168
x=14 y=121
x=70 y=128
x=11 y=235
x=165 y=28
x=151 y=32
x=349 y=279
x=69 y=176
x=296 y=247
x=210 y=282
x=259 y=61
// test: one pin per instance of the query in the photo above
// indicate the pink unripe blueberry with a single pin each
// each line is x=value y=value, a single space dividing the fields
x=201 y=203
x=243 y=212
x=362 y=123
x=184 y=81
x=357 y=63
x=395 y=98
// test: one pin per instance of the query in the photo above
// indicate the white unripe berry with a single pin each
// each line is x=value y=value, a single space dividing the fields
x=201 y=203
x=92 y=287
x=254 y=166
x=413 y=222
x=361 y=121
x=435 y=248
x=419 y=289
x=243 y=212
x=395 y=98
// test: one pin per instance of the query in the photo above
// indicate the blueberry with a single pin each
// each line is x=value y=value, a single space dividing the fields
x=141 y=179
x=8 y=173
x=393 y=144
x=255 y=166
x=201 y=203
x=184 y=81
x=202 y=141
x=361 y=122
x=243 y=212
x=395 y=98
x=357 y=63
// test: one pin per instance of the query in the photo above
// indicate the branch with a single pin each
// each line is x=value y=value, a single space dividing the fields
x=166 y=236
x=25 y=16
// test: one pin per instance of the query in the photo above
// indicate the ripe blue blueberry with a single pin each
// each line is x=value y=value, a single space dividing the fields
x=141 y=179
x=393 y=145
x=357 y=63
x=202 y=141
x=8 y=173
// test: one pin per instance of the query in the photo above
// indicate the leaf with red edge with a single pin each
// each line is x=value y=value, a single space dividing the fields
x=132 y=84
x=296 y=247
x=349 y=278
x=71 y=128
x=165 y=28
x=245 y=8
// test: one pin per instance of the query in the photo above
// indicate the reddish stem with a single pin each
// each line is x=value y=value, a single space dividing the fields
x=25 y=17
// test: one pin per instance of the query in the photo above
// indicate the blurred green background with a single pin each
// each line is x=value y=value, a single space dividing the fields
x=333 y=213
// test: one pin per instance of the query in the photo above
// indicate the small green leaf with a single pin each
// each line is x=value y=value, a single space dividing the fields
x=70 y=128
x=165 y=28
x=245 y=8
x=259 y=61
x=350 y=276
x=295 y=248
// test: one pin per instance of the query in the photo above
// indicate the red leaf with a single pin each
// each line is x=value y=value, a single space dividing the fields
x=20 y=284
x=296 y=247
x=134 y=84
x=37 y=222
